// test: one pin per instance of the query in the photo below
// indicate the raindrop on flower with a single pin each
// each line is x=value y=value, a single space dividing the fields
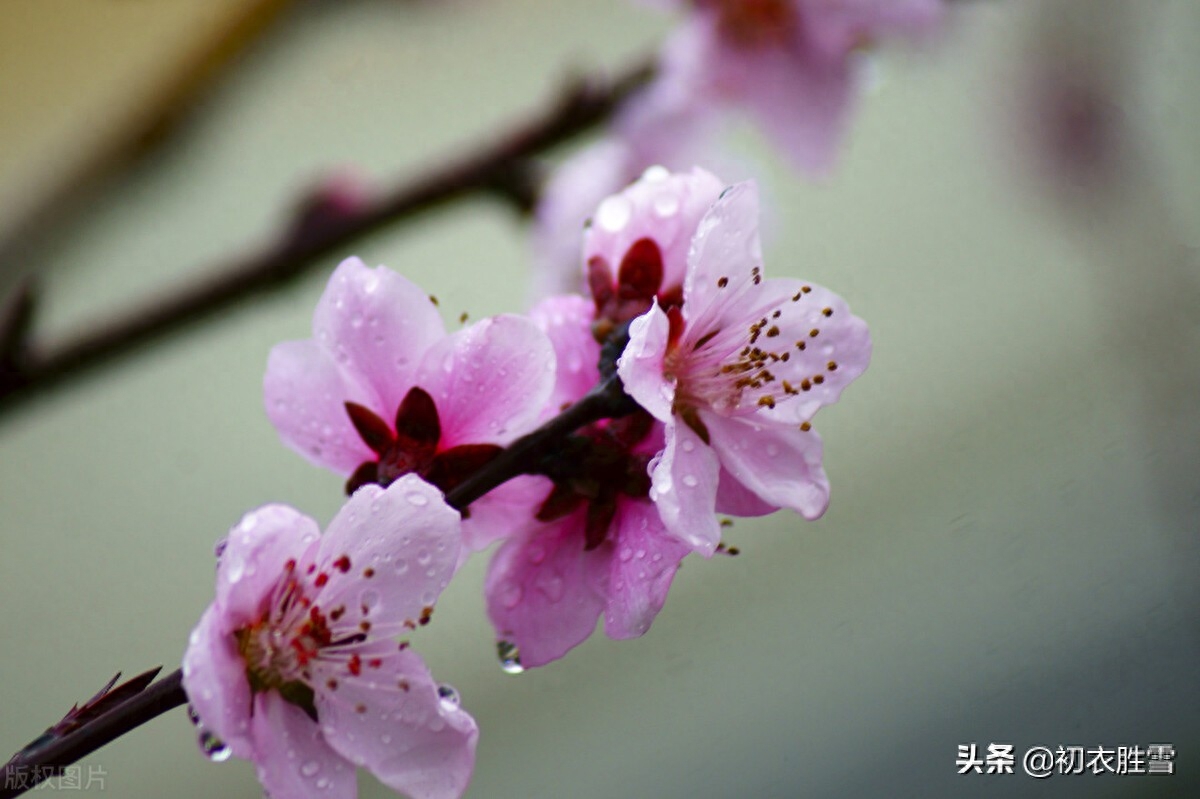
x=690 y=480
x=449 y=696
x=213 y=747
x=614 y=213
x=310 y=768
x=418 y=499
x=193 y=716
x=510 y=657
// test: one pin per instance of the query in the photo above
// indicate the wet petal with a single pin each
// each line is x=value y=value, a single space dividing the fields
x=780 y=464
x=392 y=721
x=214 y=676
x=291 y=756
x=401 y=547
x=376 y=325
x=305 y=396
x=545 y=592
x=490 y=381
x=253 y=560
x=641 y=570
x=641 y=364
x=684 y=487
x=566 y=320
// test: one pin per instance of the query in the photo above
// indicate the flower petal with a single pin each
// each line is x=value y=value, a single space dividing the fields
x=641 y=364
x=566 y=320
x=545 y=592
x=252 y=560
x=737 y=500
x=376 y=326
x=393 y=722
x=490 y=381
x=401 y=546
x=214 y=676
x=503 y=511
x=305 y=395
x=725 y=252
x=781 y=464
x=660 y=206
x=292 y=758
x=684 y=487
x=641 y=571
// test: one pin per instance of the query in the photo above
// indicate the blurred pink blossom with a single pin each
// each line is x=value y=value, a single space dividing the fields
x=293 y=666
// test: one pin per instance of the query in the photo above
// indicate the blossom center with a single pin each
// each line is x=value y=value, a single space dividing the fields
x=754 y=24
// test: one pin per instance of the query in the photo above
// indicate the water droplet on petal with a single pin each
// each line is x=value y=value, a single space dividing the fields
x=423 y=557
x=449 y=696
x=369 y=599
x=666 y=205
x=614 y=213
x=626 y=553
x=310 y=768
x=688 y=445
x=193 y=716
x=213 y=747
x=772 y=450
x=417 y=498
x=356 y=321
x=322 y=783
x=510 y=594
x=235 y=569
x=510 y=657
x=655 y=174
x=690 y=480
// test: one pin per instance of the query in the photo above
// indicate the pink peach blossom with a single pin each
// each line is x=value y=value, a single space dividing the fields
x=791 y=64
x=597 y=547
x=293 y=665
x=736 y=372
x=381 y=391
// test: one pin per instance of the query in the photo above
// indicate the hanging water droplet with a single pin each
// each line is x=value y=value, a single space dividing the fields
x=193 y=716
x=310 y=768
x=510 y=657
x=213 y=747
x=449 y=696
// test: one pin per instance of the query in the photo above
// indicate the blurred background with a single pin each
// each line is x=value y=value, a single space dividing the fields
x=1012 y=549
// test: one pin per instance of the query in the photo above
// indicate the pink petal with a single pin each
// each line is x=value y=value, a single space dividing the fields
x=253 y=559
x=641 y=570
x=503 y=511
x=305 y=395
x=544 y=592
x=490 y=381
x=802 y=104
x=567 y=320
x=214 y=676
x=405 y=537
x=291 y=756
x=724 y=254
x=684 y=487
x=660 y=206
x=409 y=737
x=779 y=463
x=376 y=326
x=641 y=364
x=737 y=500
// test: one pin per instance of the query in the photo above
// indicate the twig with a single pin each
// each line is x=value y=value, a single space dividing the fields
x=504 y=168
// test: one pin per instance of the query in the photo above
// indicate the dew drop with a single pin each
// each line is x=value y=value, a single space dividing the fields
x=772 y=450
x=193 y=716
x=385 y=739
x=510 y=657
x=449 y=696
x=369 y=599
x=656 y=174
x=690 y=480
x=510 y=594
x=614 y=213
x=310 y=768
x=666 y=205
x=213 y=747
x=688 y=445
x=401 y=566
x=322 y=783
x=235 y=570
x=424 y=557
x=356 y=321
x=626 y=553
x=417 y=498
